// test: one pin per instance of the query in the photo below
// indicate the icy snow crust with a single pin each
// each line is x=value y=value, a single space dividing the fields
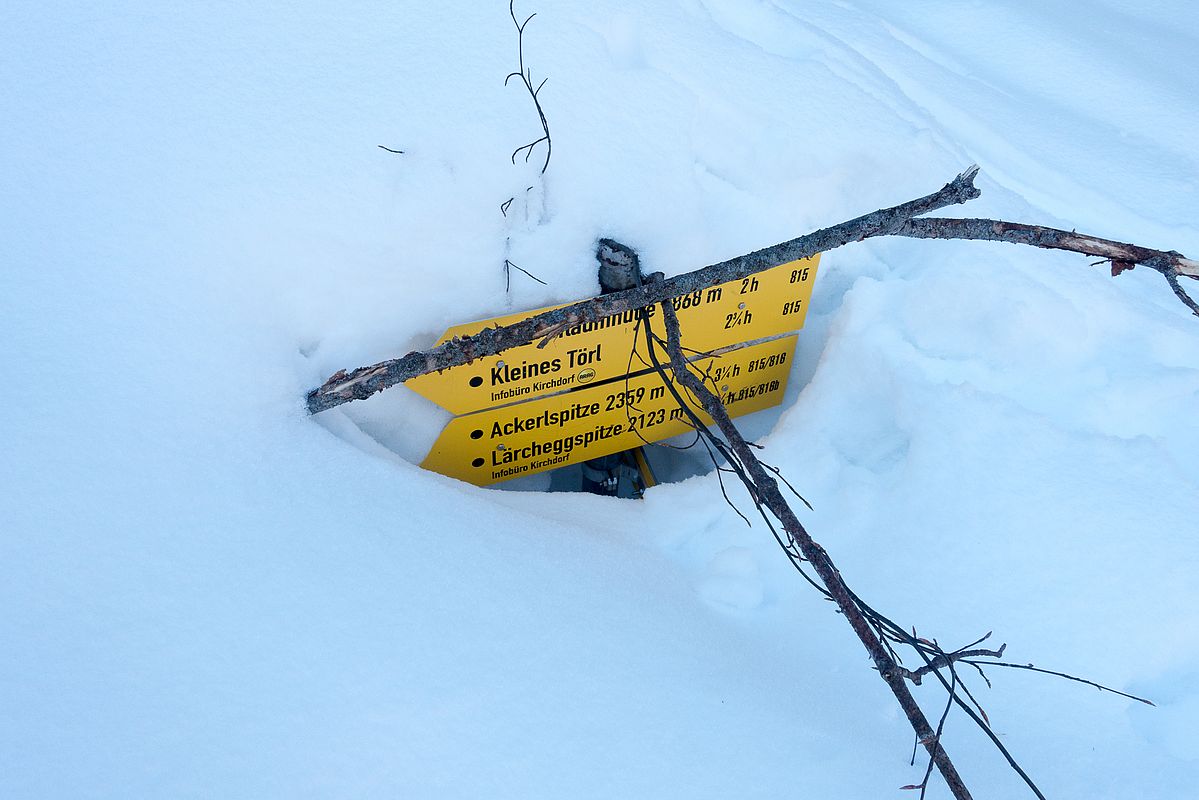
x=205 y=593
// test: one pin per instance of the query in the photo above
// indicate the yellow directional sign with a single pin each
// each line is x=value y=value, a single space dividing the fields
x=552 y=432
x=762 y=305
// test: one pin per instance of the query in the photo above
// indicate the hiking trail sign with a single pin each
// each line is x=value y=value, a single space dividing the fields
x=766 y=304
x=550 y=432
x=591 y=390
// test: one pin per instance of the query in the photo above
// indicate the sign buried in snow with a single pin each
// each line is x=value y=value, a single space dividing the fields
x=766 y=304
x=563 y=429
x=592 y=391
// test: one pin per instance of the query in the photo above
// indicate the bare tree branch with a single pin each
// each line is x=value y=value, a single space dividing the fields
x=766 y=491
x=365 y=381
x=873 y=629
x=1122 y=256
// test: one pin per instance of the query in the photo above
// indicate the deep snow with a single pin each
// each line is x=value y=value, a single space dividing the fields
x=205 y=592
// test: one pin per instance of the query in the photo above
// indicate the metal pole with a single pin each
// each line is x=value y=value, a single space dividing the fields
x=619 y=269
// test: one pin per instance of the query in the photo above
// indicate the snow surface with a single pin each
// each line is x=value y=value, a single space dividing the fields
x=206 y=593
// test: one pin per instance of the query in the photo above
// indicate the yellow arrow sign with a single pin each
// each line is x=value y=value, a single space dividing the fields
x=762 y=305
x=552 y=432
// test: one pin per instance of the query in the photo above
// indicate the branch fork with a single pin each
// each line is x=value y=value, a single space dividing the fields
x=945 y=660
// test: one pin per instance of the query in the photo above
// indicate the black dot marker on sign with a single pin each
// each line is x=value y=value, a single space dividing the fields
x=476 y=381
x=478 y=462
x=476 y=434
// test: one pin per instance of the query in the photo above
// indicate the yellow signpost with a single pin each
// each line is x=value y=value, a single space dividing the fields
x=551 y=432
x=765 y=304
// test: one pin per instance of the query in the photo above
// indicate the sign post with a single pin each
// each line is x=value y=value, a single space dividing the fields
x=619 y=268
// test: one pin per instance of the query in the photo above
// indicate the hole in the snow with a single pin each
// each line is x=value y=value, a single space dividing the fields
x=598 y=411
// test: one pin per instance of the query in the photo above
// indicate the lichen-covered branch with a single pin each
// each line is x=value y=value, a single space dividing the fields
x=365 y=381
x=898 y=220
x=1122 y=256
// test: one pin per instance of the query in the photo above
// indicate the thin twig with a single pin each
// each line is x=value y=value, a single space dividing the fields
x=1098 y=686
x=526 y=78
x=508 y=264
x=923 y=785
x=710 y=441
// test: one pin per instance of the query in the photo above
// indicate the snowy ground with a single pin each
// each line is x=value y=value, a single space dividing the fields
x=206 y=593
